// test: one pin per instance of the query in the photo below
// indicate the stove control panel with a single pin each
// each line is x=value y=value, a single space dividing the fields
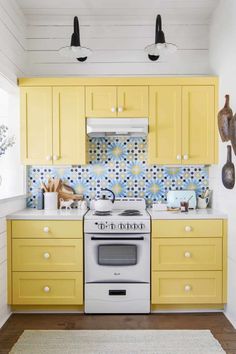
x=118 y=226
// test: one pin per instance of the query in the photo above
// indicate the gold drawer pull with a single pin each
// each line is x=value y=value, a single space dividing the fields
x=187 y=288
x=187 y=254
x=188 y=228
x=46 y=229
x=46 y=255
x=46 y=289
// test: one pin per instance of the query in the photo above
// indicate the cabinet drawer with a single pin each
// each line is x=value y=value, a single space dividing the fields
x=187 y=287
x=47 y=255
x=34 y=288
x=187 y=228
x=47 y=229
x=187 y=254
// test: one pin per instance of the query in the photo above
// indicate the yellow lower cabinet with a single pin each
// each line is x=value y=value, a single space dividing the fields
x=187 y=287
x=47 y=288
x=47 y=255
x=47 y=229
x=187 y=228
x=186 y=254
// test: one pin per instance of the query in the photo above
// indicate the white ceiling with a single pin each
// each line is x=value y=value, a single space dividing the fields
x=113 y=11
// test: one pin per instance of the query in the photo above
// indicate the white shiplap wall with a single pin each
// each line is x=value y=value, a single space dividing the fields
x=117 y=31
x=223 y=58
x=13 y=43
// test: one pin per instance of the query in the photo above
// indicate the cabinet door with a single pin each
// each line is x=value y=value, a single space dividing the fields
x=101 y=101
x=132 y=101
x=69 y=130
x=198 y=125
x=190 y=287
x=36 y=125
x=164 y=139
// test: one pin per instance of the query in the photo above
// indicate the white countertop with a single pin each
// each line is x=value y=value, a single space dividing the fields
x=192 y=214
x=34 y=214
x=75 y=214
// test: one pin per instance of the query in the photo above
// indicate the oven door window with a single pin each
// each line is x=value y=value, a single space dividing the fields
x=117 y=255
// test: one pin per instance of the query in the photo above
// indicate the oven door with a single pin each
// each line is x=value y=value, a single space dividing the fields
x=117 y=258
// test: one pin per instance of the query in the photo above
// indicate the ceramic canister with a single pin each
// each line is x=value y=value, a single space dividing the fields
x=50 y=200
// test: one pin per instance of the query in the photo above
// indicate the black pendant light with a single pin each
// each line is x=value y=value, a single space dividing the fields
x=75 y=51
x=160 y=46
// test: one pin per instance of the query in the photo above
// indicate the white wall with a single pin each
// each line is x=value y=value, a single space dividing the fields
x=13 y=63
x=10 y=163
x=6 y=208
x=117 y=31
x=223 y=60
x=13 y=54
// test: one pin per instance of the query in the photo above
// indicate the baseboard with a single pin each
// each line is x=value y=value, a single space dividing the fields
x=231 y=318
x=5 y=320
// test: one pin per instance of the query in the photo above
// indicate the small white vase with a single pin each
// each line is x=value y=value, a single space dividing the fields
x=202 y=203
x=50 y=200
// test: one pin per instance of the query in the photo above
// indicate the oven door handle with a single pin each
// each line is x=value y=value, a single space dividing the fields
x=93 y=238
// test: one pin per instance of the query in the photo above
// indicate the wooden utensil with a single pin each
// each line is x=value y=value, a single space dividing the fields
x=228 y=171
x=43 y=186
x=57 y=184
x=224 y=117
x=67 y=189
x=67 y=196
x=232 y=132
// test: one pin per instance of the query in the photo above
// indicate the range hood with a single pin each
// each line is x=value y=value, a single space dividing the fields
x=100 y=127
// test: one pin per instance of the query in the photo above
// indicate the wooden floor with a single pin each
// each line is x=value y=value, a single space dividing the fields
x=216 y=322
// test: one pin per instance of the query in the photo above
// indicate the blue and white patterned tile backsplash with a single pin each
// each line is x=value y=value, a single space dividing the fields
x=120 y=164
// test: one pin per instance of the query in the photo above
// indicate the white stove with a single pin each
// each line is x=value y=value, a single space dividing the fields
x=117 y=259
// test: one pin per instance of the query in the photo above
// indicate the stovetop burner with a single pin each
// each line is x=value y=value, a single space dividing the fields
x=131 y=212
x=102 y=213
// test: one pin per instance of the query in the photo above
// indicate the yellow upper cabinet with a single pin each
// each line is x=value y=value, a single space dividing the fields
x=69 y=130
x=132 y=101
x=182 y=127
x=36 y=125
x=53 y=125
x=164 y=140
x=198 y=125
x=101 y=101
x=117 y=101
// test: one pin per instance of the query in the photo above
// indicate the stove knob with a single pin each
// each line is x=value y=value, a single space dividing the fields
x=135 y=226
x=101 y=226
x=141 y=226
x=121 y=226
x=112 y=226
x=127 y=226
